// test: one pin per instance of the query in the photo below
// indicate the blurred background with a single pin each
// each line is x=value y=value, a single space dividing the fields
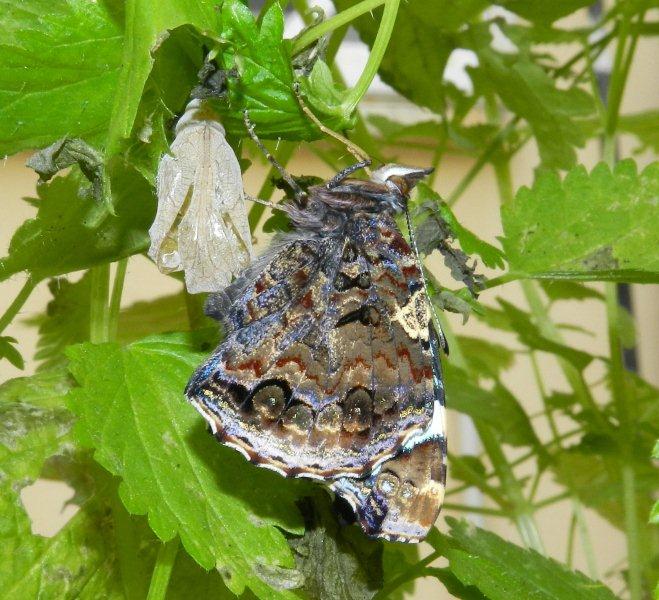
x=478 y=210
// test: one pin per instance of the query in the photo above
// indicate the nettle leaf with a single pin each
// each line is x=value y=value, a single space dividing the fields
x=497 y=408
x=34 y=426
x=420 y=45
x=9 y=351
x=70 y=233
x=544 y=12
x=147 y=23
x=59 y=67
x=486 y=358
x=336 y=562
x=530 y=93
x=645 y=127
x=471 y=470
x=561 y=289
x=87 y=558
x=529 y=334
x=228 y=514
x=264 y=84
x=654 y=514
x=593 y=467
x=501 y=570
x=491 y=256
x=608 y=227
x=65 y=322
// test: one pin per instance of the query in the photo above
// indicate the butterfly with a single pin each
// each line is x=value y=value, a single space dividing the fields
x=329 y=368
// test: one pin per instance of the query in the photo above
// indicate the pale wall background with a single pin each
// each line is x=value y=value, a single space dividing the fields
x=478 y=210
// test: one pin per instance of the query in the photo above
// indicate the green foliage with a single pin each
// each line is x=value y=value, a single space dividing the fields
x=60 y=65
x=97 y=86
x=264 y=85
x=500 y=569
x=71 y=232
x=130 y=411
x=608 y=221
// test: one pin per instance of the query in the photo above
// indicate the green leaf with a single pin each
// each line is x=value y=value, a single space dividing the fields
x=66 y=321
x=541 y=11
x=147 y=23
x=530 y=93
x=264 y=85
x=492 y=257
x=484 y=357
x=420 y=46
x=70 y=233
x=228 y=513
x=336 y=562
x=608 y=227
x=9 y=352
x=34 y=426
x=501 y=570
x=497 y=408
x=102 y=552
x=58 y=74
x=645 y=127
x=529 y=334
x=561 y=289
x=654 y=513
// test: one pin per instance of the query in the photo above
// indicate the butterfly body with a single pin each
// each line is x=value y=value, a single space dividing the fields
x=328 y=369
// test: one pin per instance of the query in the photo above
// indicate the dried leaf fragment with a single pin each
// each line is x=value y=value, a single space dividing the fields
x=201 y=224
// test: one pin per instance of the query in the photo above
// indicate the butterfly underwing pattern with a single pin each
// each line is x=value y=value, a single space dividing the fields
x=329 y=368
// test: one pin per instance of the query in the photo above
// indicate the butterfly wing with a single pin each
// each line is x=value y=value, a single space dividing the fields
x=400 y=500
x=326 y=369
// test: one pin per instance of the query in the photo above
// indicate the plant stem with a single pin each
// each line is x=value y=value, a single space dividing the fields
x=115 y=298
x=312 y=34
x=572 y=374
x=632 y=532
x=163 y=570
x=18 y=303
x=522 y=510
x=480 y=510
x=586 y=544
x=99 y=330
x=570 y=541
x=375 y=57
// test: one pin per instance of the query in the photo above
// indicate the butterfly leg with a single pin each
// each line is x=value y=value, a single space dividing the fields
x=300 y=194
x=341 y=175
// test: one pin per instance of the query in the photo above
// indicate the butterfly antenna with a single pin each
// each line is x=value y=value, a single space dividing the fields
x=415 y=249
x=300 y=194
x=362 y=157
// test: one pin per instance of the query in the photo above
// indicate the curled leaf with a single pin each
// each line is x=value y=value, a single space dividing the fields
x=201 y=225
x=74 y=151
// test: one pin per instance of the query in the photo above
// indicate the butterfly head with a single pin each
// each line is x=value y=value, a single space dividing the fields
x=388 y=189
x=399 y=180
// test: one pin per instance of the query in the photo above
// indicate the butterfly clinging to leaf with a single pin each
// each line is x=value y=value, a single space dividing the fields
x=330 y=365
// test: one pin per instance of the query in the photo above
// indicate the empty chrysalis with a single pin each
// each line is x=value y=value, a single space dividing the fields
x=201 y=224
